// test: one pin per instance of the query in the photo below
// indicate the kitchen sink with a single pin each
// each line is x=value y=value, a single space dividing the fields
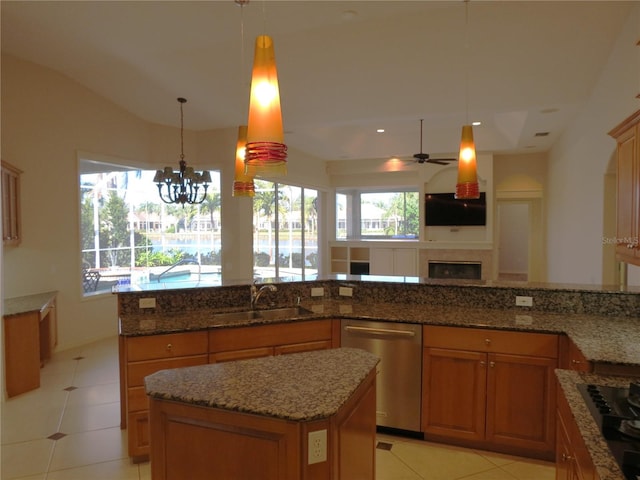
x=267 y=314
x=285 y=312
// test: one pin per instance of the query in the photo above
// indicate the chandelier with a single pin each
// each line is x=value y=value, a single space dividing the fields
x=185 y=185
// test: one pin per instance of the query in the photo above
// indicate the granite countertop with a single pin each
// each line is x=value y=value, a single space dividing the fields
x=28 y=303
x=298 y=386
x=602 y=339
x=600 y=454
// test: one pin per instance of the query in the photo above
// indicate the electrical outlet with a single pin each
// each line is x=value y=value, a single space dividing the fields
x=149 y=302
x=524 y=301
x=317 y=292
x=345 y=291
x=317 y=446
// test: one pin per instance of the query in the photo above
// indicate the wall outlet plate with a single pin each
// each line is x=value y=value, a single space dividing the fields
x=149 y=302
x=524 y=301
x=317 y=446
x=345 y=291
x=317 y=292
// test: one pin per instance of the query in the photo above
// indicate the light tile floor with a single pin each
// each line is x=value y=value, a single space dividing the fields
x=79 y=400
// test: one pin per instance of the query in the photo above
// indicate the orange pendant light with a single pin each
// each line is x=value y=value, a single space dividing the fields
x=243 y=184
x=467 y=186
x=266 y=153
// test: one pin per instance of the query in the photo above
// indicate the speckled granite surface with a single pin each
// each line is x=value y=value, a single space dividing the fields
x=598 y=449
x=28 y=303
x=299 y=386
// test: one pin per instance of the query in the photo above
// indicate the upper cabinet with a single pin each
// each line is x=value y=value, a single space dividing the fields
x=627 y=135
x=11 y=228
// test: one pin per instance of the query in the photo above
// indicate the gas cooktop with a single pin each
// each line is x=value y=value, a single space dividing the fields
x=616 y=411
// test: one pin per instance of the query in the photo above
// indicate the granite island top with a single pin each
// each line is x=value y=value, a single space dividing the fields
x=297 y=387
x=602 y=339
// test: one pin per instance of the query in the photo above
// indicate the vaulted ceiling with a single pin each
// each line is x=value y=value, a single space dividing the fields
x=346 y=68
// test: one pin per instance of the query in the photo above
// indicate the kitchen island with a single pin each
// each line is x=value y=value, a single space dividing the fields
x=299 y=416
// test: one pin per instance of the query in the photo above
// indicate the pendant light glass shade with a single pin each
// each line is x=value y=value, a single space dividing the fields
x=266 y=152
x=243 y=184
x=467 y=186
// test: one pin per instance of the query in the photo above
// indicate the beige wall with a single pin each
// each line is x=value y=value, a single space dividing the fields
x=578 y=163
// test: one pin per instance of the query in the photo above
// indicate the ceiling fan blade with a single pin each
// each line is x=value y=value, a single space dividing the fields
x=442 y=161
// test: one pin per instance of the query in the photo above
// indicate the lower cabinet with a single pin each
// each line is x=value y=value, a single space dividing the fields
x=573 y=461
x=228 y=344
x=490 y=389
x=144 y=355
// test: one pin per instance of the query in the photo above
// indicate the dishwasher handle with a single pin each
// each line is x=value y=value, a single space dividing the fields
x=380 y=331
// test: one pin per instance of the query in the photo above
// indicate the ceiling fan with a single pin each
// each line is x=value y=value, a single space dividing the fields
x=425 y=158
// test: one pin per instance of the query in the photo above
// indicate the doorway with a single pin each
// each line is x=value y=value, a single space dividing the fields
x=513 y=241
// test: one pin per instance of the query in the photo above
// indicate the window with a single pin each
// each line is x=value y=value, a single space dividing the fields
x=285 y=221
x=377 y=215
x=129 y=236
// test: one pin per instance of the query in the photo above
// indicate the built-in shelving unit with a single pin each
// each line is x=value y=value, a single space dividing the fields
x=348 y=259
x=359 y=260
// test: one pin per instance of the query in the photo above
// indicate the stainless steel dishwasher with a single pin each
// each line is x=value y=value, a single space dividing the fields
x=399 y=382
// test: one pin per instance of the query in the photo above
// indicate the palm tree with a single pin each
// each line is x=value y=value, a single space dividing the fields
x=211 y=204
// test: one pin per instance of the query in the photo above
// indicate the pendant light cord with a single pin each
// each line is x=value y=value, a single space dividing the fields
x=466 y=67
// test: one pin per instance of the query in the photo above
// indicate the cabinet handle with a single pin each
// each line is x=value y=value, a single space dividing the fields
x=576 y=362
x=566 y=458
x=482 y=363
x=487 y=341
x=169 y=347
x=492 y=364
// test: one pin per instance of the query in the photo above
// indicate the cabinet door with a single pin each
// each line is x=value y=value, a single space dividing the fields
x=521 y=402
x=453 y=393
x=381 y=261
x=627 y=195
x=564 y=460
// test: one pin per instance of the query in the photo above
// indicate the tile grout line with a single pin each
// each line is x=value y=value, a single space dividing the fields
x=64 y=409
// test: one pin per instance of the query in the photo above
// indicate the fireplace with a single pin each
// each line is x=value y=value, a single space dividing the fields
x=458 y=270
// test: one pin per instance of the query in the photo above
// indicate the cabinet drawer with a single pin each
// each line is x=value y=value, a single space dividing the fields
x=166 y=346
x=302 y=347
x=269 y=335
x=137 y=399
x=136 y=371
x=486 y=340
x=234 y=355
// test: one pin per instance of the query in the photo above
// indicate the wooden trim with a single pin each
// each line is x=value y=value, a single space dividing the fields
x=627 y=123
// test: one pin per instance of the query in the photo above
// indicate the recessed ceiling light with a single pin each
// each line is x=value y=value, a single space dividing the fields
x=349 y=14
x=541 y=134
x=380 y=130
x=476 y=123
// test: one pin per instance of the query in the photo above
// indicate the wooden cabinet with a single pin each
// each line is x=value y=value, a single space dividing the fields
x=228 y=344
x=394 y=261
x=142 y=356
x=196 y=442
x=571 y=358
x=573 y=461
x=11 y=226
x=29 y=339
x=490 y=389
x=627 y=134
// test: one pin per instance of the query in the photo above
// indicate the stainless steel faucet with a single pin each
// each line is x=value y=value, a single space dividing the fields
x=256 y=292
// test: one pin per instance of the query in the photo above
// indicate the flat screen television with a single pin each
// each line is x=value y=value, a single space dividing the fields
x=442 y=209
